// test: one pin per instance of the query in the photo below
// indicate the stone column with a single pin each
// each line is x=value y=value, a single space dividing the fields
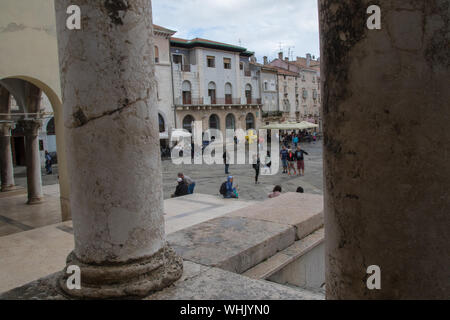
x=387 y=145
x=6 y=162
x=112 y=134
x=33 y=160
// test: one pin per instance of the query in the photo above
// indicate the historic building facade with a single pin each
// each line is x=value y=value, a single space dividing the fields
x=269 y=93
x=299 y=88
x=163 y=77
x=215 y=83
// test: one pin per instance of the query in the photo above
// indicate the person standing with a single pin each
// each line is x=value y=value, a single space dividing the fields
x=283 y=155
x=226 y=161
x=257 y=167
x=291 y=161
x=48 y=162
x=188 y=181
x=299 y=155
x=295 y=140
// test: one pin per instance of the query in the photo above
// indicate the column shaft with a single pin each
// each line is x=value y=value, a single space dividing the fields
x=33 y=160
x=386 y=148
x=6 y=162
x=113 y=158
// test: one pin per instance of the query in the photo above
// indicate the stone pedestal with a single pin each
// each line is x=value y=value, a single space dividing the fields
x=6 y=162
x=386 y=148
x=33 y=161
x=113 y=158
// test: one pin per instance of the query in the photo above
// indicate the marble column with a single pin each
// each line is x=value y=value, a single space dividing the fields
x=386 y=122
x=33 y=159
x=6 y=161
x=112 y=134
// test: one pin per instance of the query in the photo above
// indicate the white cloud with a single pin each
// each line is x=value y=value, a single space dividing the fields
x=260 y=25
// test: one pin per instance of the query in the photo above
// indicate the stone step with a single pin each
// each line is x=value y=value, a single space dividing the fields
x=232 y=243
x=244 y=238
x=283 y=258
x=302 y=211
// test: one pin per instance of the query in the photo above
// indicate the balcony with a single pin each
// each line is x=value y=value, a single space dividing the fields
x=228 y=101
x=184 y=67
x=188 y=101
x=252 y=101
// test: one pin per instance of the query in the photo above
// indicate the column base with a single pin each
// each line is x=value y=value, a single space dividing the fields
x=8 y=188
x=35 y=200
x=138 y=278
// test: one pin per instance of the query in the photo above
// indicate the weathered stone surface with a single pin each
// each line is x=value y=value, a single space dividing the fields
x=231 y=243
x=218 y=284
x=6 y=163
x=300 y=210
x=287 y=256
x=113 y=158
x=134 y=279
x=198 y=282
x=385 y=103
x=33 y=160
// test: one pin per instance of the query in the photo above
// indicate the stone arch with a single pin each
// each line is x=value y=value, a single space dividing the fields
x=214 y=122
x=230 y=121
x=188 y=122
x=249 y=121
x=56 y=104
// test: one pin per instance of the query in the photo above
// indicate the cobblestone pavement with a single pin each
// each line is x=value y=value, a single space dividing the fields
x=209 y=177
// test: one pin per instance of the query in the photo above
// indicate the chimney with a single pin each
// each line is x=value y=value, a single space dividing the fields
x=265 y=60
x=253 y=58
x=308 y=59
x=280 y=55
x=286 y=59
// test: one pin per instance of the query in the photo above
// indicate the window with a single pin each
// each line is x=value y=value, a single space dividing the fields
x=212 y=92
x=249 y=121
x=186 y=87
x=211 y=61
x=266 y=87
x=230 y=121
x=226 y=63
x=188 y=122
x=156 y=54
x=305 y=93
x=214 y=122
x=228 y=94
x=248 y=93
x=241 y=66
x=162 y=126
x=51 y=127
x=177 y=59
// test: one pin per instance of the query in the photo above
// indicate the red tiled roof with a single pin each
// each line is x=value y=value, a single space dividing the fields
x=285 y=72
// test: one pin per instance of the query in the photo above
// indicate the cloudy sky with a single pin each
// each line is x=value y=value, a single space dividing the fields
x=258 y=25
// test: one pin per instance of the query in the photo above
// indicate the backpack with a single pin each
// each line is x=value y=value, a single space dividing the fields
x=223 y=188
